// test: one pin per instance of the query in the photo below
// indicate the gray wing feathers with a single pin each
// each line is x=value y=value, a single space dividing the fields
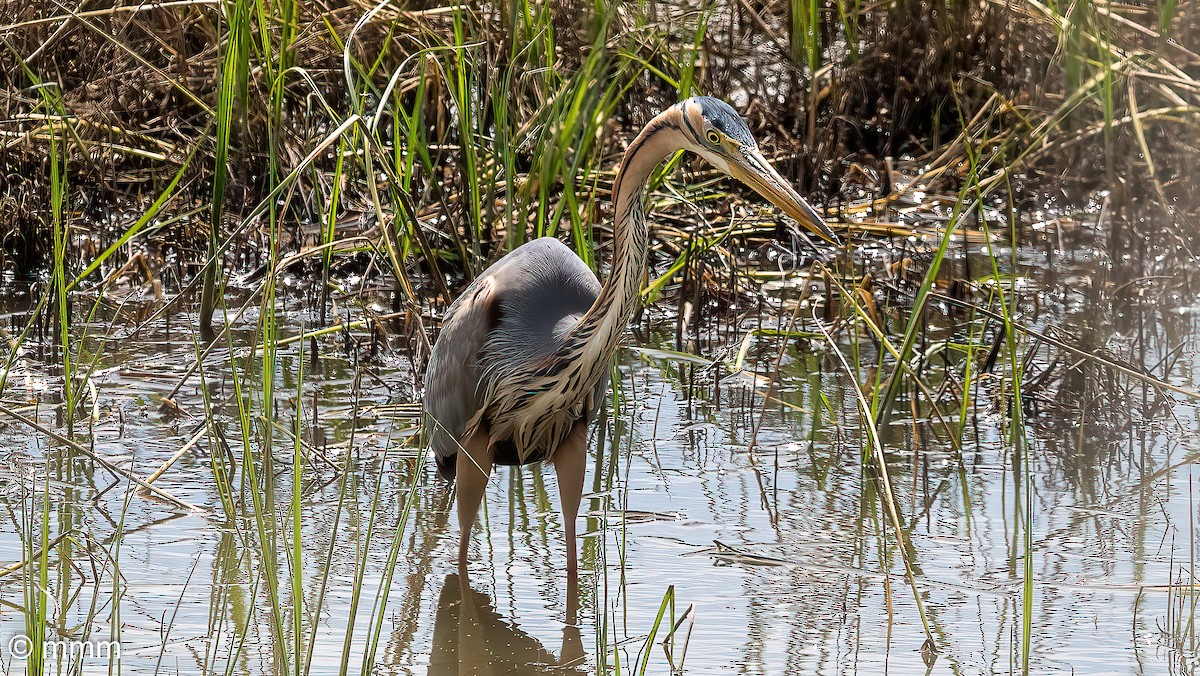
x=516 y=311
x=450 y=399
x=541 y=296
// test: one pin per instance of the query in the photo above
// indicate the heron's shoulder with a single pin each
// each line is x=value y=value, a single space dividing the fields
x=542 y=264
x=547 y=249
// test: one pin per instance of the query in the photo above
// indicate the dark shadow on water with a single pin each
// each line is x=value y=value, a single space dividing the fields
x=470 y=637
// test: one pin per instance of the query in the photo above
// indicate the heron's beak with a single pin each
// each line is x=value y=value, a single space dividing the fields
x=754 y=170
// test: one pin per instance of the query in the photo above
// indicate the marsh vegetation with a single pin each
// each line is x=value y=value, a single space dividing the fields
x=964 y=442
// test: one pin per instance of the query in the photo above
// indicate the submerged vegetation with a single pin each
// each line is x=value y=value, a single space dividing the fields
x=307 y=185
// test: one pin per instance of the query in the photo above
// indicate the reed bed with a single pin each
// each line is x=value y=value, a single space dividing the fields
x=236 y=160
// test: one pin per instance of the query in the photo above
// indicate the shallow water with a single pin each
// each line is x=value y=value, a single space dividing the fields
x=768 y=528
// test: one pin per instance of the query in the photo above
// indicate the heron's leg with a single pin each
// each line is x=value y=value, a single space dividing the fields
x=473 y=467
x=570 y=463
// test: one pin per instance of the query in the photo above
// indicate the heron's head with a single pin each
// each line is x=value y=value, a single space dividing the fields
x=717 y=133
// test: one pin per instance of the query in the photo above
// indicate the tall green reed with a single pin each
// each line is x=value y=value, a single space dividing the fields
x=235 y=67
x=805 y=32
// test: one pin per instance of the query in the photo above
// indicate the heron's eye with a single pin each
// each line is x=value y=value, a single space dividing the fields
x=713 y=137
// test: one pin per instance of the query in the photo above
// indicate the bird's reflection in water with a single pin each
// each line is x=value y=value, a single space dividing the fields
x=469 y=637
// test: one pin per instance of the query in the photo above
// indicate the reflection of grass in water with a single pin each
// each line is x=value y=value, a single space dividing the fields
x=270 y=548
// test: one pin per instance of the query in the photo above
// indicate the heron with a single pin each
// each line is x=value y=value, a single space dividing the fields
x=521 y=365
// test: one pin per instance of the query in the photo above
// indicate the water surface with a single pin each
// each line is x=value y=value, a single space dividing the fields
x=744 y=494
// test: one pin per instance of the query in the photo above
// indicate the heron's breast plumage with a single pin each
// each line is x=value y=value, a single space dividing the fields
x=534 y=404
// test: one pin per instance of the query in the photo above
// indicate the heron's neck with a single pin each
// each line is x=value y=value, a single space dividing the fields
x=603 y=324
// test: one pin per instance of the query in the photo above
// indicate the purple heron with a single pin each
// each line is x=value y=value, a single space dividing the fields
x=521 y=365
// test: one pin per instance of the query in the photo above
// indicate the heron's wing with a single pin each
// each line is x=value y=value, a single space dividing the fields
x=540 y=296
x=511 y=314
x=450 y=380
